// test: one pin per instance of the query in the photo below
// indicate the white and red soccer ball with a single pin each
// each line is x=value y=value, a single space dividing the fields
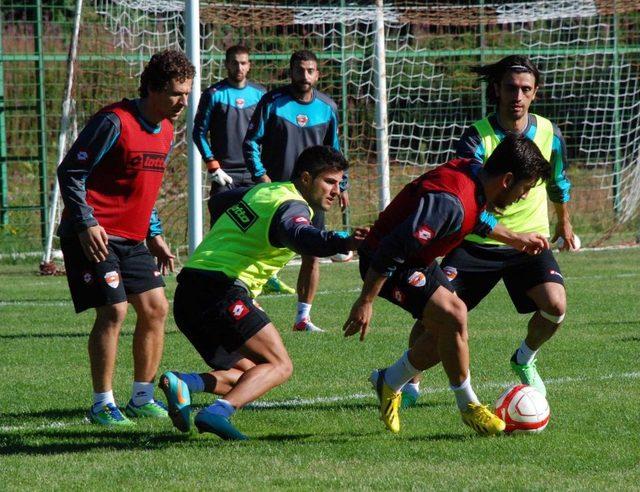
x=342 y=257
x=523 y=409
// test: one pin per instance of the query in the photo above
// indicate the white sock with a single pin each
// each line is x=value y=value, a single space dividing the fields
x=101 y=399
x=524 y=355
x=141 y=393
x=412 y=389
x=221 y=407
x=399 y=373
x=464 y=393
x=304 y=311
x=193 y=380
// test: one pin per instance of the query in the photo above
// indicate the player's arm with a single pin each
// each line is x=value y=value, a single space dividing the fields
x=438 y=215
x=291 y=228
x=529 y=242
x=331 y=139
x=202 y=126
x=559 y=188
x=252 y=144
x=157 y=246
x=470 y=146
x=94 y=141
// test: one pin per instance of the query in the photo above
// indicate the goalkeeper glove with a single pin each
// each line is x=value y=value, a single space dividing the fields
x=219 y=177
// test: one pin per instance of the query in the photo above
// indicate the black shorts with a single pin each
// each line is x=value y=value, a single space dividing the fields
x=475 y=269
x=217 y=315
x=129 y=269
x=411 y=287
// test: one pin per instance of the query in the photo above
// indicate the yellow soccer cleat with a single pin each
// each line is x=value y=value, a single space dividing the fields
x=389 y=401
x=482 y=420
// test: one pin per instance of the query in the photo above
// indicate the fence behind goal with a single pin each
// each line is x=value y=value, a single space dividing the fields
x=587 y=50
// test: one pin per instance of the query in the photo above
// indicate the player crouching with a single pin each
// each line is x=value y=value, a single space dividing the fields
x=255 y=233
x=427 y=219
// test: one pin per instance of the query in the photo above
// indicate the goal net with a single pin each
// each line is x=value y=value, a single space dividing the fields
x=588 y=52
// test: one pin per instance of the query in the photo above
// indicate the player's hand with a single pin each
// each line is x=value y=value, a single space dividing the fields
x=564 y=230
x=263 y=179
x=219 y=177
x=359 y=319
x=531 y=243
x=94 y=242
x=344 y=200
x=161 y=251
x=358 y=236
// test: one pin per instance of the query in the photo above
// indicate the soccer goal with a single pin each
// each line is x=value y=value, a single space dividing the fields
x=400 y=73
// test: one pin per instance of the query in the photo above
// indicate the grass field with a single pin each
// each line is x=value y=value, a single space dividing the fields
x=320 y=430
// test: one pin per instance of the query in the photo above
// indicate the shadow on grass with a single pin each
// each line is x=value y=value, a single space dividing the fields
x=83 y=334
x=331 y=406
x=63 y=442
x=630 y=339
x=54 y=414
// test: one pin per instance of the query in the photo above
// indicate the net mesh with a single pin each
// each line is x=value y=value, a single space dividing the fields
x=588 y=52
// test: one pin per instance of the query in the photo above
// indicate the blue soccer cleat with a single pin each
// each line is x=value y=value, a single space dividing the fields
x=179 y=400
x=218 y=425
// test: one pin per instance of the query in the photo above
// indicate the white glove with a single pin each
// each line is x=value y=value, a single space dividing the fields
x=220 y=177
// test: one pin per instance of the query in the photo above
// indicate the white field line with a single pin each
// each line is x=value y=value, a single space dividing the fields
x=320 y=292
x=310 y=402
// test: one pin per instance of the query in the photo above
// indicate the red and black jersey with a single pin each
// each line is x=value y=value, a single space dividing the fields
x=429 y=217
x=113 y=172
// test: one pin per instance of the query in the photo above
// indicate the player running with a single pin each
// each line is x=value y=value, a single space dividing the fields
x=427 y=219
x=109 y=181
x=287 y=121
x=535 y=283
x=254 y=234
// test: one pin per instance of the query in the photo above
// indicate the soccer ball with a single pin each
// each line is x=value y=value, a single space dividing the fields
x=342 y=258
x=523 y=409
x=576 y=241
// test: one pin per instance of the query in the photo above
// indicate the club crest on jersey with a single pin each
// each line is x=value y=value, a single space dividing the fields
x=240 y=102
x=554 y=272
x=417 y=279
x=82 y=155
x=398 y=295
x=300 y=219
x=450 y=272
x=112 y=279
x=423 y=234
x=238 y=310
x=87 y=278
x=302 y=119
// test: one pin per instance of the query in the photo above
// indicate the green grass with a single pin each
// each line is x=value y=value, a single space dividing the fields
x=322 y=431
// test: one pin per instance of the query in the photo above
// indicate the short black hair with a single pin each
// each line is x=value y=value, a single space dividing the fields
x=234 y=50
x=318 y=159
x=302 y=56
x=520 y=156
x=162 y=68
x=493 y=73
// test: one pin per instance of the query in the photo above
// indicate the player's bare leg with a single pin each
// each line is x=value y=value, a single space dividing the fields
x=148 y=340
x=550 y=298
x=307 y=286
x=221 y=382
x=103 y=347
x=272 y=368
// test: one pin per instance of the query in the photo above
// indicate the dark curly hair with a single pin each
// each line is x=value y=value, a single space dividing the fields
x=493 y=73
x=162 y=68
x=520 y=156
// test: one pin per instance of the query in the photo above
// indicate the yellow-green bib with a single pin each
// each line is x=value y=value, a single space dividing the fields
x=530 y=214
x=238 y=243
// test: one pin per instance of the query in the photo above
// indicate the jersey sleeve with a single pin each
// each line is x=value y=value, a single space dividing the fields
x=470 y=146
x=438 y=215
x=201 y=125
x=155 y=224
x=94 y=141
x=558 y=185
x=252 y=144
x=291 y=228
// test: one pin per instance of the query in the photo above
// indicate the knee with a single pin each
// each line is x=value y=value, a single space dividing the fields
x=456 y=317
x=284 y=368
x=111 y=317
x=554 y=308
x=157 y=310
